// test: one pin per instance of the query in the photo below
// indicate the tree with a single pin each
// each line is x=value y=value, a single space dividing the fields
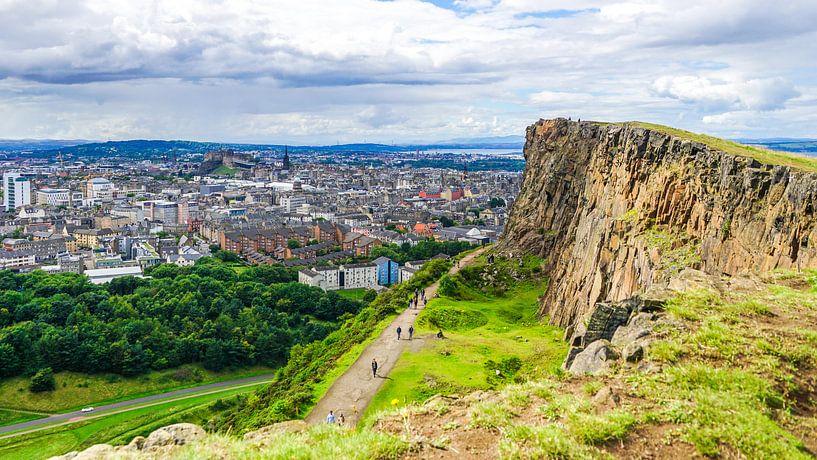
x=43 y=380
x=446 y=221
x=497 y=203
x=293 y=244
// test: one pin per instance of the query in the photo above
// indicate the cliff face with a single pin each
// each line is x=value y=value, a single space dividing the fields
x=617 y=208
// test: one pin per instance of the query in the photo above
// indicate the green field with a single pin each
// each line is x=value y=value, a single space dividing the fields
x=479 y=330
x=353 y=294
x=762 y=155
x=118 y=428
x=8 y=417
x=75 y=390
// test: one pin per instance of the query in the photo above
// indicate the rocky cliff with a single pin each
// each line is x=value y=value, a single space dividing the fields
x=616 y=208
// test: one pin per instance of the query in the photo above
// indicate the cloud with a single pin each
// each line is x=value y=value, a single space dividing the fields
x=748 y=94
x=262 y=70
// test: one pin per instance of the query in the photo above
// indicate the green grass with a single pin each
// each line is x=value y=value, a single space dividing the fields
x=320 y=441
x=762 y=155
x=115 y=429
x=8 y=417
x=490 y=329
x=75 y=390
x=223 y=171
x=353 y=294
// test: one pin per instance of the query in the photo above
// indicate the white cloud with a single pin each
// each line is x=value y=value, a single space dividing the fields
x=203 y=69
x=746 y=94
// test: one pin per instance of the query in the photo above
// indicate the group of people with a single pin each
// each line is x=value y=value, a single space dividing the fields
x=332 y=419
x=410 y=332
x=419 y=296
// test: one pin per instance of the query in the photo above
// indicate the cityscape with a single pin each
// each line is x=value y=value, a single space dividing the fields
x=106 y=218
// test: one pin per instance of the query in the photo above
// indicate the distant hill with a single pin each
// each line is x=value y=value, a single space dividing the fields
x=146 y=149
x=806 y=146
x=32 y=145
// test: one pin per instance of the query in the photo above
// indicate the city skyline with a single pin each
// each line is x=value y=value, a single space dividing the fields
x=402 y=71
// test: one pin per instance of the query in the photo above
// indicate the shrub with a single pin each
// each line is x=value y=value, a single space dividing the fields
x=43 y=380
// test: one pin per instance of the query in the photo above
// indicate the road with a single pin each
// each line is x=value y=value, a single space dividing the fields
x=131 y=404
x=353 y=391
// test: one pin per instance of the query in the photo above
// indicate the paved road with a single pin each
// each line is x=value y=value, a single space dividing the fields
x=130 y=404
x=353 y=391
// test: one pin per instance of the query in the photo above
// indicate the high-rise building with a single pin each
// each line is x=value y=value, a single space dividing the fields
x=16 y=190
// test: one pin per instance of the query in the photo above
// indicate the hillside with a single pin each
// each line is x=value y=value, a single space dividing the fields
x=682 y=272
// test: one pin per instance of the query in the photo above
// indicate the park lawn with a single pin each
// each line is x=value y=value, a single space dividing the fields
x=118 y=428
x=458 y=363
x=8 y=417
x=75 y=390
x=353 y=294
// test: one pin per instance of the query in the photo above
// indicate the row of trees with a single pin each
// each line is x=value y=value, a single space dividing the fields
x=206 y=313
x=423 y=250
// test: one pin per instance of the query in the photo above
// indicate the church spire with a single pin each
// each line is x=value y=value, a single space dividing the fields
x=286 y=158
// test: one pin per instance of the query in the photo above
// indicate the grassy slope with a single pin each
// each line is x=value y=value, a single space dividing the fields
x=75 y=390
x=457 y=364
x=114 y=429
x=353 y=294
x=223 y=171
x=762 y=155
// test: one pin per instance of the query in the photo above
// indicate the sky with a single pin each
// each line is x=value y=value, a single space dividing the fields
x=321 y=72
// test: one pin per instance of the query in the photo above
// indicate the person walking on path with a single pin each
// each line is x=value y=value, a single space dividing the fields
x=331 y=417
x=374 y=368
x=342 y=419
x=411 y=331
x=399 y=330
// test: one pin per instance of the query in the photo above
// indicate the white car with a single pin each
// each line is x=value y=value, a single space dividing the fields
x=87 y=409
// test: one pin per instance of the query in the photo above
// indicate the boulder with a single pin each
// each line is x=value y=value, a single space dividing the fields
x=261 y=436
x=173 y=435
x=690 y=279
x=638 y=327
x=633 y=352
x=596 y=358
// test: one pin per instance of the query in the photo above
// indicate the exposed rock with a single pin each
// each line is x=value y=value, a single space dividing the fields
x=633 y=352
x=638 y=327
x=173 y=435
x=592 y=193
x=596 y=358
x=136 y=443
x=691 y=280
x=262 y=435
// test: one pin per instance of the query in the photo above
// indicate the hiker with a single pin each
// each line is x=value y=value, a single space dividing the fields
x=342 y=419
x=411 y=331
x=399 y=330
x=374 y=368
x=440 y=334
x=424 y=294
x=425 y=302
x=331 y=417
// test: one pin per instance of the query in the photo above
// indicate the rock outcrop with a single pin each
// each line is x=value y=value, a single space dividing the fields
x=616 y=209
x=158 y=444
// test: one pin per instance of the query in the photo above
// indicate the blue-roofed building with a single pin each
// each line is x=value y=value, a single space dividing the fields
x=387 y=271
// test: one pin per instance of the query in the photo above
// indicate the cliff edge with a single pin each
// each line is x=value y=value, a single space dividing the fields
x=619 y=208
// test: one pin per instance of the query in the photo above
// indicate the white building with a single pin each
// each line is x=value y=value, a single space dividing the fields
x=358 y=276
x=17 y=259
x=54 y=196
x=16 y=190
x=351 y=276
x=99 y=190
x=103 y=275
x=291 y=203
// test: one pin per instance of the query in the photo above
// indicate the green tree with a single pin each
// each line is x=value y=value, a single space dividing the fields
x=293 y=244
x=43 y=380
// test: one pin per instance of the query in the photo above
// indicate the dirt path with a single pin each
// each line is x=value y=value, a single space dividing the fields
x=353 y=391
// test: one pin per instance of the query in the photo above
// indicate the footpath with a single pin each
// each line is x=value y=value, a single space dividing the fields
x=353 y=391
